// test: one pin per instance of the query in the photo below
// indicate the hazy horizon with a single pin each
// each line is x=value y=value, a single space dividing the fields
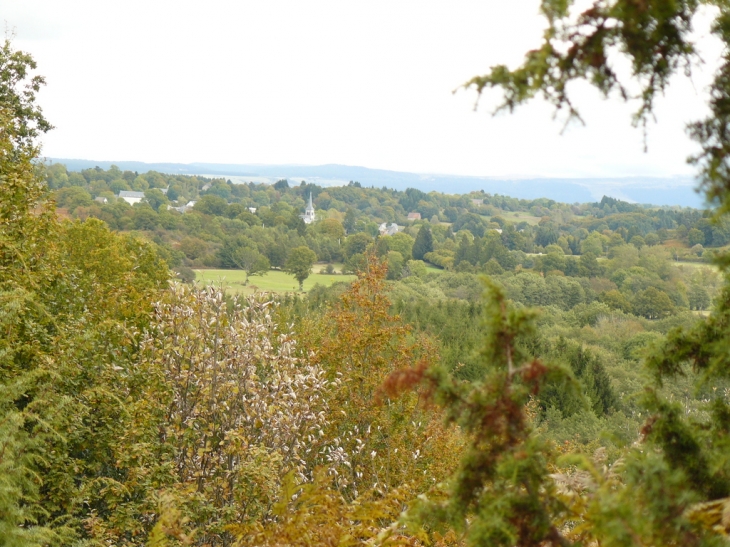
x=661 y=191
x=328 y=83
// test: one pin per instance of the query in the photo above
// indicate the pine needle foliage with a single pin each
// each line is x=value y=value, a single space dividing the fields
x=501 y=493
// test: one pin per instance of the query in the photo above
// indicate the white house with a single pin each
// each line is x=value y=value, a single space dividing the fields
x=389 y=230
x=131 y=197
x=183 y=208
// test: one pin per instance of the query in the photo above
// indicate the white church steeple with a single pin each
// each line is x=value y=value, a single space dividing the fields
x=308 y=216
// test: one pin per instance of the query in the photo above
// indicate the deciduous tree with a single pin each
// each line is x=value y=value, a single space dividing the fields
x=299 y=263
x=391 y=442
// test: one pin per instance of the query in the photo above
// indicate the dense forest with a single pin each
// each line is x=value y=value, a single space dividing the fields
x=500 y=372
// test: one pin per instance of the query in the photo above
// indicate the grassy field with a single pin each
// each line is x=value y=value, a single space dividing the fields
x=319 y=268
x=696 y=265
x=518 y=217
x=274 y=280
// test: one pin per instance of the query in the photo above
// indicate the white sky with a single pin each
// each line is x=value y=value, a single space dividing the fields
x=364 y=83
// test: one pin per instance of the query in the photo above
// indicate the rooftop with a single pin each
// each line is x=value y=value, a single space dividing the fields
x=130 y=194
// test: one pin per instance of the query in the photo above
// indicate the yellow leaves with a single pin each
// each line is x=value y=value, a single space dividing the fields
x=287 y=492
x=712 y=515
x=170 y=525
x=448 y=539
x=316 y=514
x=239 y=417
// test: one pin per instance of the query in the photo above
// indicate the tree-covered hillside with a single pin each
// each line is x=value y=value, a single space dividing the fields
x=635 y=259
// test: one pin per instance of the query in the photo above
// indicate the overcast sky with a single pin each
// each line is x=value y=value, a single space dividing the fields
x=364 y=83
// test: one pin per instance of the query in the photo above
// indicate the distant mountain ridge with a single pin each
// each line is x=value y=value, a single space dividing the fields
x=677 y=191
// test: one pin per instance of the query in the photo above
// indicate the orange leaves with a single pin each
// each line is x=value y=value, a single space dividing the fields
x=362 y=340
x=361 y=345
x=232 y=404
x=403 y=380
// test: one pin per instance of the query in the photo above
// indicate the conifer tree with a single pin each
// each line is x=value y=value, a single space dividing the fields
x=423 y=243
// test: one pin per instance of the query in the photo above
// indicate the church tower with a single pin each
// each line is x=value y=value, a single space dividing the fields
x=308 y=216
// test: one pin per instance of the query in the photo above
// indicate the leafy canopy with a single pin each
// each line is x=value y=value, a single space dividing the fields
x=300 y=262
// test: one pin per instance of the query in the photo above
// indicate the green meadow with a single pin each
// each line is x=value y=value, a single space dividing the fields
x=697 y=265
x=273 y=281
x=518 y=217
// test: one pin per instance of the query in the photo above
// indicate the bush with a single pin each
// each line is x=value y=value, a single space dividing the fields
x=185 y=274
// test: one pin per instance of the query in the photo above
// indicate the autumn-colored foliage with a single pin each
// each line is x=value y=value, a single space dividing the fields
x=317 y=514
x=391 y=442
